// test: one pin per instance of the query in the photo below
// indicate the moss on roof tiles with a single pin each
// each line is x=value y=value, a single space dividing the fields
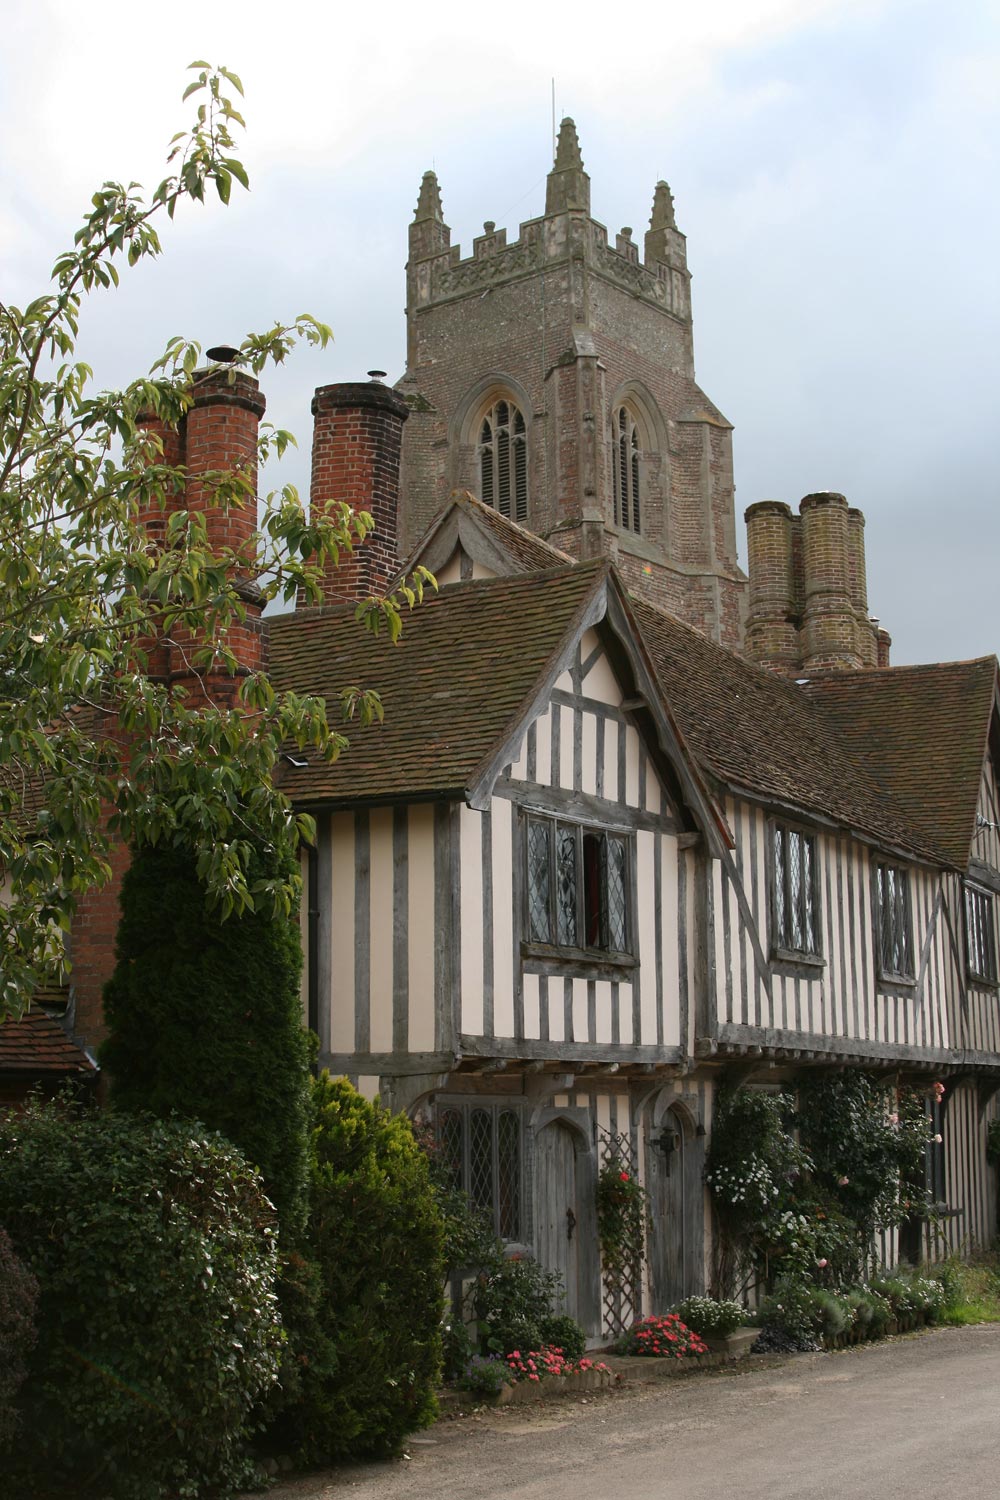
x=921 y=731
x=467 y=666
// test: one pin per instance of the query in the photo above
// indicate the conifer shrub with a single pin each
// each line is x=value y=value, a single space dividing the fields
x=18 y=1296
x=154 y=1248
x=369 y=1351
x=205 y=1019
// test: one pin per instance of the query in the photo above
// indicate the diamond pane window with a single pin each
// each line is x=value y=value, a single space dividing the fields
x=577 y=887
x=614 y=893
x=539 y=919
x=481 y=1178
x=489 y=1163
x=795 y=897
x=508 y=1175
x=503 y=460
x=451 y=1135
x=892 y=914
x=566 y=894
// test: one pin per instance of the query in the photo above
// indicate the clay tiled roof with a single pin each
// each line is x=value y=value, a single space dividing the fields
x=528 y=551
x=923 y=732
x=468 y=665
x=36 y=1046
x=750 y=728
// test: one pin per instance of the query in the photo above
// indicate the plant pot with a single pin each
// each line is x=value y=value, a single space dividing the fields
x=736 y=1344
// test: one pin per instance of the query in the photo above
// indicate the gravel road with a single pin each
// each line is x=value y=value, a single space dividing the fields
x=910 y=1415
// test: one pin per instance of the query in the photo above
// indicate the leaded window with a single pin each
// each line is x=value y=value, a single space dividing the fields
x=892 y=915
x=481 y=1146
x=980 y=935
x=795 y=904
x=578 y=886
x=625 y=469
x=503 y=460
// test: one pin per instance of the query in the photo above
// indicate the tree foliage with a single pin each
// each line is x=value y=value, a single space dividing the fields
x=205 y=1020
x=93 y=748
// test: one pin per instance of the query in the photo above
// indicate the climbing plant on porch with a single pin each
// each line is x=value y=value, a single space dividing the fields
x=622 y=1215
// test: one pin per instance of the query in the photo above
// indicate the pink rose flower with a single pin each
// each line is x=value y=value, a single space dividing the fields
x=843 y=1181
x=823 y=1263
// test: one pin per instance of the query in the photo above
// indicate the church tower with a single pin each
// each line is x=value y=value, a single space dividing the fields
x=554 y=378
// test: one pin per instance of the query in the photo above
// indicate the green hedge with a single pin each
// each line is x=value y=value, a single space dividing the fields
x=205 y=1020
x=368 y=1341
x=154 y=1250
x=18 y=1334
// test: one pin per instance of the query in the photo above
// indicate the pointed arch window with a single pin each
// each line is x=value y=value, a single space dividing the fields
x=503 y=460
x=625 y=465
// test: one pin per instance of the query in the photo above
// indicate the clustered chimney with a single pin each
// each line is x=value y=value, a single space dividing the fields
x=808 y=588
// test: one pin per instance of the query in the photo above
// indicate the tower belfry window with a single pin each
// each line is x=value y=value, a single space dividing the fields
x=503 y=460
x=625 y=464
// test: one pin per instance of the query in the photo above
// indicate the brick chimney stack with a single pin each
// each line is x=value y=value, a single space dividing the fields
x=357 y=443
x=218 y=434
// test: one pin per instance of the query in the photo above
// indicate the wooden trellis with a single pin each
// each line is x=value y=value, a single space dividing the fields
x=621 y=1295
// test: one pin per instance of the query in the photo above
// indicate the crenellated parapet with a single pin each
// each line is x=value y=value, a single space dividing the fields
x=438 y=272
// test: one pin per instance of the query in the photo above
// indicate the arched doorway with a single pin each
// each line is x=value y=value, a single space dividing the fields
x=565 y=1237
x=675 y=1159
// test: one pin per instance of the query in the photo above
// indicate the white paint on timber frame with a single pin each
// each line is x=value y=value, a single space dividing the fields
x=543 y=748
x=631 y=766
x=719 y=884
x=669 y=857
x=532 y=1008
x=645 y=848
x=519 y=768
x=845 y=996
x=503 y=918
x=654 y=800
x=342 y=998
x=563 y=683
x=368 y=1085
x=600 y=682
x=421 y=929
x=471 y=826
x=380 y=930
x=588 y=767
x=452 y=570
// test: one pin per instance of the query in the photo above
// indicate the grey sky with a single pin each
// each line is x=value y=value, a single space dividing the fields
x=834 y=165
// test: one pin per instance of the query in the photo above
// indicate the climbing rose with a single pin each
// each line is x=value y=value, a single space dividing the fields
x=623 y=1176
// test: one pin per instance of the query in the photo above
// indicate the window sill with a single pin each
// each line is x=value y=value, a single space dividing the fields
x=797 y=965
x=980 y=982
x=590 y=958
x=896 y=984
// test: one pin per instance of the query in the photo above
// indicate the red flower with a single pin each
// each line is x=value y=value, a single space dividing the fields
x=623 y=1176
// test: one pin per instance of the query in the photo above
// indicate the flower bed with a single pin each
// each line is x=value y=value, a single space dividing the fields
x=543 y=1364
x=662 y=1338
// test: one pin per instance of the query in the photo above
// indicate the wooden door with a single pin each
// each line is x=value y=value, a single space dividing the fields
x=557 y=1211
x=675 y=1189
